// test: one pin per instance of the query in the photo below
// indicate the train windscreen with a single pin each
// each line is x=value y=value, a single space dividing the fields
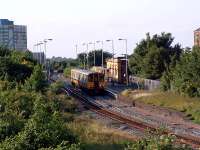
x=90 y=78
x=101 y=77
x=95 y=77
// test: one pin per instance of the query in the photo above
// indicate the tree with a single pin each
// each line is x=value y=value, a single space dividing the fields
x=4 y=51
x=37 y=81
x=185 y=76
x=56 y=87
x=5 y=65
x=44 y=129
x=153 y=55
x=98 y=57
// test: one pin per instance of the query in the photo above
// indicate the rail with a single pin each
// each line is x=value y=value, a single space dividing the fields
x=111 y=93
x=90 y=103
x=184 y=139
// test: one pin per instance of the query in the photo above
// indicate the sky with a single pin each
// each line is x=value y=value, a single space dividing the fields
x=71 y=22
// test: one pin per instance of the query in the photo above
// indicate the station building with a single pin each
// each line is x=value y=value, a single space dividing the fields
x=117 y=69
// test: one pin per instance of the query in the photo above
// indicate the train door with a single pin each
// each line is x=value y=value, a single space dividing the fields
x=96 y=80
x=90 y=81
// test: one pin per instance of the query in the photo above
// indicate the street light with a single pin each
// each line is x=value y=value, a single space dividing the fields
x=35 y=50
x=94 y=52
x=40 y=44
x=101 y=51
x=87 y=55
x=126 y=59
x=45 y=47
x=45 y=50
x=76 y=49
x=112 y=59
x=35 y=45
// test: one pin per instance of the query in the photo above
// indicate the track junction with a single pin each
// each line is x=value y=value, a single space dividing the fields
x=138 y=123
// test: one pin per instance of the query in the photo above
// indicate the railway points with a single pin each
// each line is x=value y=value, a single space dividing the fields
x=135 y=119
x=139 y=125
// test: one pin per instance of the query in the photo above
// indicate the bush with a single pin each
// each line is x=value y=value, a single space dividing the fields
x=56 y=87
x=184 y=78
x=162 y=142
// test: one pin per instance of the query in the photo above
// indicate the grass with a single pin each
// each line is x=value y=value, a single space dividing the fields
x=187 y=105
x=92 y=135
x=96 y=136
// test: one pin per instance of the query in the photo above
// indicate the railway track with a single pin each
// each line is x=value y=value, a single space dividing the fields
x=141 y=126
x=192 y=141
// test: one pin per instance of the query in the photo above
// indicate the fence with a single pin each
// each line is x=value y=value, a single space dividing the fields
x=146 y=84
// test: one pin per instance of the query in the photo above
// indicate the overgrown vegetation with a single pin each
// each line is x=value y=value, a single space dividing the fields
x=178 y=69
x=153 y=56
x=37 y=116
x=98 y=58
x=184 y=78
x=59 y=63
x=189 y=106
x=30 y=112
x=96 y=136
x=163 y=142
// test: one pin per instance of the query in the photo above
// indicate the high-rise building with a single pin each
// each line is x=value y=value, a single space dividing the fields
x=197 y=37
x=13 y=36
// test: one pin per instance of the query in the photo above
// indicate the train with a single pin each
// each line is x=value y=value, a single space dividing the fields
x=92 y=82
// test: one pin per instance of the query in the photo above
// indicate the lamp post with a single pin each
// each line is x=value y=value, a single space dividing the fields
x=102 y=52
x=35 y=45
x=87 y=55
x=45 y=50
x=35 y=50
x=112 y=59
x=38 y=52
x=126 y=59
x=45 y=56
x=94 y=53
x=76 y=49
x=40 y=44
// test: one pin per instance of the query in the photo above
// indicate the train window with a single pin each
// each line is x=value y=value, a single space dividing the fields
x=74 y=75
x=84 y=77
x=90 y=78
x=81 y=77
x=101 y=77
x=95 y=77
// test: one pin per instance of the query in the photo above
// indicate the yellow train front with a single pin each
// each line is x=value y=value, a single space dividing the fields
x=88 y=80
